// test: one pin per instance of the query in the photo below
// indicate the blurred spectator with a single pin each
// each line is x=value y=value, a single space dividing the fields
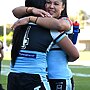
x=1 y=58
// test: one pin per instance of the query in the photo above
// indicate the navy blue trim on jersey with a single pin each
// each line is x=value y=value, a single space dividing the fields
x=55 y=49
x=59 y=37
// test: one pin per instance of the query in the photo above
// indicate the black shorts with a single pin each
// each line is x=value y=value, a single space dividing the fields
x=61 y=84
x=23 y=81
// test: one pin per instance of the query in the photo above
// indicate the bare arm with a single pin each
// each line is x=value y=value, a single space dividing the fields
x=52 y=23
x=47 y=22
x=18 y=12
x=67 y=45
x=21 y=11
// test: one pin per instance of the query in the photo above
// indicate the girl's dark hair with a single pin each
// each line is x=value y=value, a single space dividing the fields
x=35 y=3
x=64 y=12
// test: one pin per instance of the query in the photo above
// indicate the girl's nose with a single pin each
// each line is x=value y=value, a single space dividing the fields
x=52 y=5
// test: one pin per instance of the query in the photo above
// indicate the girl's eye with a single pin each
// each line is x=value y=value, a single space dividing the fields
x=56 y=3
x=48 y=2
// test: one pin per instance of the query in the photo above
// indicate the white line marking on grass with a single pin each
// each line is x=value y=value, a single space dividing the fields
x=79 y=66
x=81 y=75
x=5 y=66
x=5 y=70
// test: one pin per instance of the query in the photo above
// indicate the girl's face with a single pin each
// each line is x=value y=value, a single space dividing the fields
x=54 y=7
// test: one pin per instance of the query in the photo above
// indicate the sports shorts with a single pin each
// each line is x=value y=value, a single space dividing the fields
x=61 y=84
x=24 y=81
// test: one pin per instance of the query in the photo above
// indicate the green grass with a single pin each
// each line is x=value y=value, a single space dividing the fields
x=3 y=81
x=81 y=83
x=80 y=69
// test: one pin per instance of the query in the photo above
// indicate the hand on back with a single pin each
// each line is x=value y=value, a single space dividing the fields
x=40 y=12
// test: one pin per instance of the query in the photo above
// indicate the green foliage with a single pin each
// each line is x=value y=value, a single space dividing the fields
x=9 y=34
x=9 y=38
x=81 y=16
x=1 y=31
x=1 y=38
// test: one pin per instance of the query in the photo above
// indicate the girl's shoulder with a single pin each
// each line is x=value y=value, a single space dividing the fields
x=67 y=19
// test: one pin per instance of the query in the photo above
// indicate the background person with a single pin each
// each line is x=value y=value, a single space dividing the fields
x=1 y=58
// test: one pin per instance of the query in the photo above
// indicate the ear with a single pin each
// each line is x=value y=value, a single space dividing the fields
x=63 y=7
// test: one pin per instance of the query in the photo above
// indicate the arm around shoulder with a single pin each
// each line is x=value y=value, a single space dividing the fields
x=21 y=11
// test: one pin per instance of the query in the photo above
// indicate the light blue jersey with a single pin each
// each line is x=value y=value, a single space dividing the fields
x=31 y=62
x=58 y=65
x=57 y=61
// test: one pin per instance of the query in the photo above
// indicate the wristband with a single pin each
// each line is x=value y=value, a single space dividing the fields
x=30 y=10
x=29 y=20
x=27 y=10
x=36 y=20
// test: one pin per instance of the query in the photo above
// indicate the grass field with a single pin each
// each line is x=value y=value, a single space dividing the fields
x=81 y=73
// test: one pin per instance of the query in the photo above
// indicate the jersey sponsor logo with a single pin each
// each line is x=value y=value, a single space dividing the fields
x=28 y=55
